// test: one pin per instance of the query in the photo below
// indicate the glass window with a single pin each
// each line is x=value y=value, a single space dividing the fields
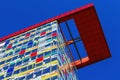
x=29 y=76
x=49 y=34
x=48 y=45
x=29 y=67
x=6 y=43
x=47 y=70
x=1 y=77
x=5 y=55
x=5 y=67
x=23 y=69
x=12 y=65
x=54 y=51
x=14 y=58
x=25 y=59
x=30 y=42
x=39 y=64
x=21 y=55
x=55 y=58
x=21 y=78
x=27 y=53
x=8 y=60
x=36 y=38
x=17 y=71
x=39 y=55
x=49 y=39
x=18 y=63
x=37 y=73
x=22 y=39
x=25 y=43
x=9 y=74
x=33 y=58
x=35 y=50
x=2 y=62
x=55 y=67
x=17 y=50
x=11 y=53
x=19 y=45
x=47 y=54
x=54 y=78
x=47 y=60
x=39 y=28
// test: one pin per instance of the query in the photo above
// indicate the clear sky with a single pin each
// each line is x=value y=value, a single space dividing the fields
x=18 y=14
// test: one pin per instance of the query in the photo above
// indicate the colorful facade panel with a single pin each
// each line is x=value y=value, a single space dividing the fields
x=37 y=54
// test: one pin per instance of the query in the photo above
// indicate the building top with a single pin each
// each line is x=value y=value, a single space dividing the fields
x=59 y=18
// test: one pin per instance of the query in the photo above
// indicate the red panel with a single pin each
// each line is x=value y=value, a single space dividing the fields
x=39 y=59
x=22 y=52
x=9 y=46
x=43 y=33
x=33 y=54
x=92 y=35
x=54 y=34
x=27 y=35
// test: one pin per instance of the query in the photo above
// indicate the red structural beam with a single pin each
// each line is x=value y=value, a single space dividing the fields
x=90 y=31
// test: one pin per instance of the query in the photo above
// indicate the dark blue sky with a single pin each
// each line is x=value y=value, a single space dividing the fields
x=18 y=14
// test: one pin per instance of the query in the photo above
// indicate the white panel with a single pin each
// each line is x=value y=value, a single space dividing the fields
x=2 y=44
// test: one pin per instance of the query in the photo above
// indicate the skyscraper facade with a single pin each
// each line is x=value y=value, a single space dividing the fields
x=38 y=54
x=43 y=51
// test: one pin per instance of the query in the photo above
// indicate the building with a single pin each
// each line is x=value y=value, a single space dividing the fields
x=41 y=51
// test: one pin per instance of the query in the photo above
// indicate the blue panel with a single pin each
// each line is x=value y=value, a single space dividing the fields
x=39 y=64
x=38 y=73
x=1 y=77
x=18 y=63
x=29 y=67
x=48 y=34
x=7 y=42
x=15 y=42
x=25 y=60
x=54 y=78
x=12 y=65
x=47 y=60
x=55 y=67
x=55 y=58
x=5 y=67
x=39 y=55
x=29 y=76
x=14 y=58
x=16 y=51
x=48 y=45
x=22 y=78
x=17 y=71
x=8 y=60
x=48 y=79
x=9 y=74
x=33 y=58
x=5 y=55
x=36 y=38
x=10 y=70
x=23 y=69
x=21 y=55
x=35 y=50
x=30 y=42
x=47 y=53
x=2 y=62
x=47 y=70
x=25 y=43
x=27 y=53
